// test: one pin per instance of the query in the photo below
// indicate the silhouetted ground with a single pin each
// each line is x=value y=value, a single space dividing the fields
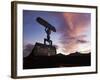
x=59 y=60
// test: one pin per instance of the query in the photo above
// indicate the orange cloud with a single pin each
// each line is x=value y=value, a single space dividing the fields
x=73 y=33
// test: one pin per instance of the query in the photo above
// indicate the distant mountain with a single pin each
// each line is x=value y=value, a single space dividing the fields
x=60 y=54
x=79 y=54
x=74 y=54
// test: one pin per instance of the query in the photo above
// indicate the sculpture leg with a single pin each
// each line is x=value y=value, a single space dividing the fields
x=45 y=41
x=50 y=42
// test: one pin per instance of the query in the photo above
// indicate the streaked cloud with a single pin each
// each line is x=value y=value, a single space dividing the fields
x=74 y=32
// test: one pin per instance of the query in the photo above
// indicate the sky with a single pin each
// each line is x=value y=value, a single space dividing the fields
x=73 y=31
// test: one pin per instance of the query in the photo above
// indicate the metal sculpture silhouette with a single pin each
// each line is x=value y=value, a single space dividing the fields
x=48 y=29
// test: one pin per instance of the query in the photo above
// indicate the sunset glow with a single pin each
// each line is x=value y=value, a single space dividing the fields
x=73 y=30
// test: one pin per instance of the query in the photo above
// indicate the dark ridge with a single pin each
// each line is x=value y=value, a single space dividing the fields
x=58 y=60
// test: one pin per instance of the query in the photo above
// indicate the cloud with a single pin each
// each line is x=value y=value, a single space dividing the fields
x=74 y=31
x=82 y=41
x=27 y=49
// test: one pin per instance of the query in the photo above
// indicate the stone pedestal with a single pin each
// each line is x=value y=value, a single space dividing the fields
x=43 y=50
